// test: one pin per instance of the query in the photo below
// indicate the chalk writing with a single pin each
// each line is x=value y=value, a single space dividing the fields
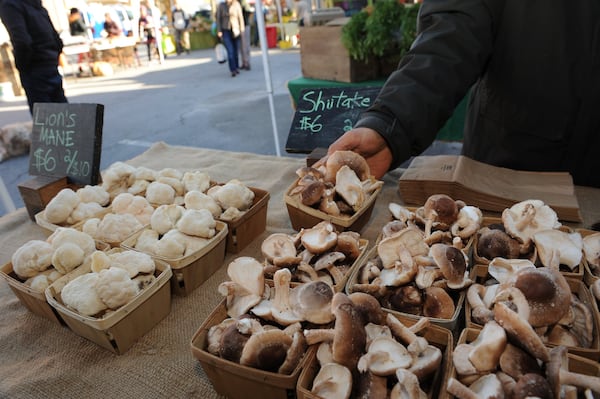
x=322 y=115
x=66 y=141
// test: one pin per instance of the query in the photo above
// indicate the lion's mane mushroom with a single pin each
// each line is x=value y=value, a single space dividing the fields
x=558 y=374
x=556 y=247
x=547 y=292
x=351 y=159
x=525 y=218
x=453 y=263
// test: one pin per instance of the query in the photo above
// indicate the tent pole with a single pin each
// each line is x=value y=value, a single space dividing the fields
x=260 y=20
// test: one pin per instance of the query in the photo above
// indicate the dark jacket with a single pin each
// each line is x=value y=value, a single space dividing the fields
x=534 y=69
x=35 y=41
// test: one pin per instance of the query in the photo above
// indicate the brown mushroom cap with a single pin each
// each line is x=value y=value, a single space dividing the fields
x=452 y=262
x=312 y=193
x=442 y=208
x=312 y=301
x=547 y=292
x=350 y=336
x=438 y=303
x=232 y=343
x=495 y=243
x=532 y=385
x=349 y=158
x=516 y=362
x=279 y=248
x=407 y=299
x=348 y=243
x=369 y=307
x=266 y=350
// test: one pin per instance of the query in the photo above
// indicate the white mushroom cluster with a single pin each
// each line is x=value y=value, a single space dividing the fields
x=371 y=353
x=69 y=206
x=507 y=360
x=542 y=299
x=39 y=263
x=175 y=232
x=591 y=251
x=115 y=278
x=317 y=253
x=339 y=187
x=168 y=186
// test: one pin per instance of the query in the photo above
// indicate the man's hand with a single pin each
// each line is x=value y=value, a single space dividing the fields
x=369 y=144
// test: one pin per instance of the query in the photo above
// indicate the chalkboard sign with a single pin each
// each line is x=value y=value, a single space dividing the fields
x=66 y=140
x=323 y=115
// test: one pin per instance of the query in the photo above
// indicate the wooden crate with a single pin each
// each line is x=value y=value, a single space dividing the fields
x=323 y=56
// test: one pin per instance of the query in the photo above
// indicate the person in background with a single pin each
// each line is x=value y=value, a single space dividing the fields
x=36 y=47
x=111 y=28
x=302 y=11
x=77 y=26
x=180 y=22
x=230 y=26
x=534 y=88
x=245 y=41
x=146 y=26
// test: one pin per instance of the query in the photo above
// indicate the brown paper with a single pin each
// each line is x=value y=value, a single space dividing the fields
x=488 y=187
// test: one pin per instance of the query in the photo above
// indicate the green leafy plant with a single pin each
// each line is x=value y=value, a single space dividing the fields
x=388 y=27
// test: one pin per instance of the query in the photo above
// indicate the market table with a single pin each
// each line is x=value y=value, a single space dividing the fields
x=43 y=359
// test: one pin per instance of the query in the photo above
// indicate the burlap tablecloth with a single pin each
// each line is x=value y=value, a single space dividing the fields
x=40 y=359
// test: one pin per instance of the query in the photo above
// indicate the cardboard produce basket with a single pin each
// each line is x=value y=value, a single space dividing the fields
x=35 y=301
x=435 y=335
x=189 y=272
x=252 y=223
x=577 y=364
x=118 y=330
x=454 y=324
x=235 y=381
x=479 y=274
x=588 y=277
x=303 y=216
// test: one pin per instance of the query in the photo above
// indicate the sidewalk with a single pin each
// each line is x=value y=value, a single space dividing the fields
x=189 y=100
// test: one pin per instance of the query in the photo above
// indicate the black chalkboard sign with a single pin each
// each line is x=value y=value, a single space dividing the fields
x=66 y=140
x=323 y=115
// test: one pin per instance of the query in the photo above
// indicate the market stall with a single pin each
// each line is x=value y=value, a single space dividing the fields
x=44 y=359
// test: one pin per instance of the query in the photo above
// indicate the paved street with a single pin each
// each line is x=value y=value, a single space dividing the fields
x=188 y=100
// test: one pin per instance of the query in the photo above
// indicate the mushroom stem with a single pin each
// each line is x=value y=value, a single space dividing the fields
x=579 y=380
x=416 y=344
x=316 y=335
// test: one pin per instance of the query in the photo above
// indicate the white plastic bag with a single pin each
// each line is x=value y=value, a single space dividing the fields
x=221 y=53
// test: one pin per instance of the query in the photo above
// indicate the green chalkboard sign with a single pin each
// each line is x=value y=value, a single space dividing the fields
x=323 y=115
x=66 y=140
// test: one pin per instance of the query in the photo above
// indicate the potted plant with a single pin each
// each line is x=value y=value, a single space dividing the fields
x=383 y=31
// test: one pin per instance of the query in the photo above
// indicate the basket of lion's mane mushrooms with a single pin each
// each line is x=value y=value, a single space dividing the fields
x=341 y=191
